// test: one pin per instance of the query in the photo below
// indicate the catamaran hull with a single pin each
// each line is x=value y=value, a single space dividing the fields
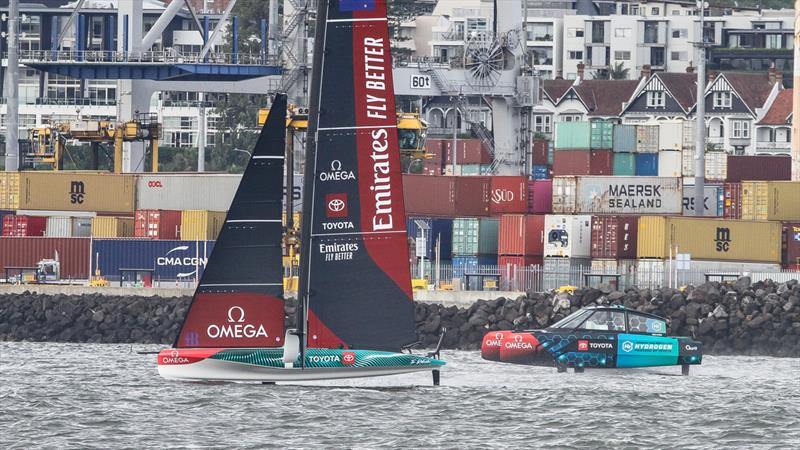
x=266 y=365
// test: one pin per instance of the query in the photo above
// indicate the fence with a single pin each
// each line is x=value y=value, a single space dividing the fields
x=540 y=278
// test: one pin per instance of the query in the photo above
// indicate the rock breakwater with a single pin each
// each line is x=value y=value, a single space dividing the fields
x=761 y=318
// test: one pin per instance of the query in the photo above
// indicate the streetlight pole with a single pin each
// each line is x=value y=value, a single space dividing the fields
x=12 y=89
x=700 y=125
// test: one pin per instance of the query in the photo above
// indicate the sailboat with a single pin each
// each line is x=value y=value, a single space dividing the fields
x=355 y=311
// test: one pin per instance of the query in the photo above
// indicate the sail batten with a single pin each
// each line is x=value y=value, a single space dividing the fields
x=355 y=273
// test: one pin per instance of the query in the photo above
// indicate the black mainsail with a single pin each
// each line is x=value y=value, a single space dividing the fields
x=239 y=300
x=354 y=277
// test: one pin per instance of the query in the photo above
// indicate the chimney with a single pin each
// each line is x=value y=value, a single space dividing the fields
x=711 y=75
x=690 y=68
x=771 y=74
x=646 y=71
x=581 y=68
x=779 y=78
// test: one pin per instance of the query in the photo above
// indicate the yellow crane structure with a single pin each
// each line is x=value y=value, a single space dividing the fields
x=47 y=144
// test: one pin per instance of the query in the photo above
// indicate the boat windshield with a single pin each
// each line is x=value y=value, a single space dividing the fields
x=572 y=320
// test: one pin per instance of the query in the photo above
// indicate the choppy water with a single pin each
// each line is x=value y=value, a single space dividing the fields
x=107 y=396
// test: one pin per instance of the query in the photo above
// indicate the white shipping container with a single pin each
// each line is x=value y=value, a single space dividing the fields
x=213 y=192
x=81 y=227
x=564 y=272
x=59 y=227
x=688 y=134
x=647 y=138
x=567 y=236
x=617 y=195
x=670 y=163
x=670 y=135
x=716 y=166
x=713 y=206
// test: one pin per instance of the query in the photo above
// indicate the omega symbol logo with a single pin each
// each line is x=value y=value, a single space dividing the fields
x=518 y=338
x=232 y=314
x=173 y=354
x=498 y=335
x=336 y=165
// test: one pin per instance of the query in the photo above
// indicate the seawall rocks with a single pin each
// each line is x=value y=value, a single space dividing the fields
x=761 y=318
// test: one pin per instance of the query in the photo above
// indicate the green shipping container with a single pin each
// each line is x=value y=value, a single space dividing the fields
x=625 y=164
x=602 y=135
x=475 y=236
x=573 y=135
x=625 y=138
x=474 y=169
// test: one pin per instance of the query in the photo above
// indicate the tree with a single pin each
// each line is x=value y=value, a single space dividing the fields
x=618 y=71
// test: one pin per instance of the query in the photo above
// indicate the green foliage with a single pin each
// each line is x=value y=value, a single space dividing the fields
x=250 y=13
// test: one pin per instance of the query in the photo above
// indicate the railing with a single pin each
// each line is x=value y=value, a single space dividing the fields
x=769 y=145
x=539 y=279
x=169 y=56
x=76 y=101
x=186 y=104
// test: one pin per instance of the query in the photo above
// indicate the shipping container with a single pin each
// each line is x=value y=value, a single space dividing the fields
x=624 y=164
x=601 y=162
x=513 y=273
x=521 y=235
x=169 y=259
x=541 y=172
x=625 y=138
x=791 y=244
x=617 y=195
x=157 y=223
x=573 y=135
x=567 y=236
x=573 y=162
x=475 y=236
x=771 y=200
x=438 y=230
x=72 y=253
x=624 y=267
x=201 y=225
x=434 y=147
x=714 y=200
x=540 y=196
x=113 y=227
x=9 y=190
x=471 y=196
x=687 y=162
x=670 y=135
x=669 y=163
x=66 y=226
x=429 y=195
x=658 y=272
x=22 y=226
x=709 y=239
x=467 y=265
x=470 y=169
x=509 y=195
x=716 y=166
x=431 y=167
x=647 y=138
x=688 y=134
x=647 y=164
x=560 y=272
x=602 y=135
x=732 y=200
x=614 y=237
x=539 y=152
x=470 y=151
x=759 y=168
x=77 y=191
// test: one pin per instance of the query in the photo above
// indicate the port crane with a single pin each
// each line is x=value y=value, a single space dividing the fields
x=47 y=144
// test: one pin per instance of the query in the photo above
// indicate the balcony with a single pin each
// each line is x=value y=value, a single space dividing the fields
x=773 y=147
x=716 y=140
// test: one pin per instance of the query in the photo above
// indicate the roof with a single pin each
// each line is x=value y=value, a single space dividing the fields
x=753 y=88
x=682 y=86
x=605 y=98
x=556 y=88
x=780 y=110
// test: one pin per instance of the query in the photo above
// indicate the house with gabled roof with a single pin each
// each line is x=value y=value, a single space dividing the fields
x=734 y=101
x=663 y=95
x=774 y=127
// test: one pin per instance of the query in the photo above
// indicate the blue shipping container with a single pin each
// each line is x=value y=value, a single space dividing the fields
x=170 y=260
x=469 y=264
x=647 y=164
x=437 y=228
x=541 y=172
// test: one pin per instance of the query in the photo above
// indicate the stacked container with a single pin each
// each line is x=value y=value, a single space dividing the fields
x=186 y=191
x=201 y=225
x=520 y=244
x=670 y=163
x=624 y=164
x=169 y=259
x=791 y=246
x=540 y=196
x=758 y=168
x=67 y=226
x=584 y=148
x=445 y=196
x=732 y=200
x=438 y=229
x=625 y=138
x=75 y=191
x=647 y=164
x=647 y=138
x=541 y=159
x=22 y=226
x=73 y=254
x=473 y=237
x=9 y=190
x=714 y=200
x=157 y=223
x=112 y=227
x=617 y=195
x=509 y=195
x=771 y=200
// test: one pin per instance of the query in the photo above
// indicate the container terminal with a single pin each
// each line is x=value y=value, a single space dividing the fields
x=539 y=152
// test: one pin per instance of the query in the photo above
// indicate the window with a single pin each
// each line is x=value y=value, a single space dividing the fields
x=655 y=99
x=622 y=55
x=605 y=321
x=679 y=56
x=622 y=32
x=475 y=24
x=741 y=129
x=623 y=9
x=570 y=118
x=639 y=323
x=655 y=11
x=576 y=55
x=542 y=56
x=773 y=41
x=598 y=32
x=575 y=32
x=542 y=123
x=680 y=33
x=656 y=56
x=722 y=99
x=541 y=32
x=651 y=32
x=572 y=320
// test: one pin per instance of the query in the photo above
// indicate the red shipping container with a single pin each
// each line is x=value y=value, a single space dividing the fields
x=572 y=162
x=540 y=196
x=509 y=195
x=512 y=273
x=432 y=167
x=429 y=195
x=791 y=244
x=759 y=168
x=470 y=151
x=539 y=152
x=157 y=223
x=73 y=254
x=21 y=226
x=518 y=261
x=472 y=196
x=732 y=201
x=602 y=162
x=521 y=235
x=614 y=237
x=436 y=148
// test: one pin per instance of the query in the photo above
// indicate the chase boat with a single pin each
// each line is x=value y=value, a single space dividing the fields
x=356 y=313
x=596 y=337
